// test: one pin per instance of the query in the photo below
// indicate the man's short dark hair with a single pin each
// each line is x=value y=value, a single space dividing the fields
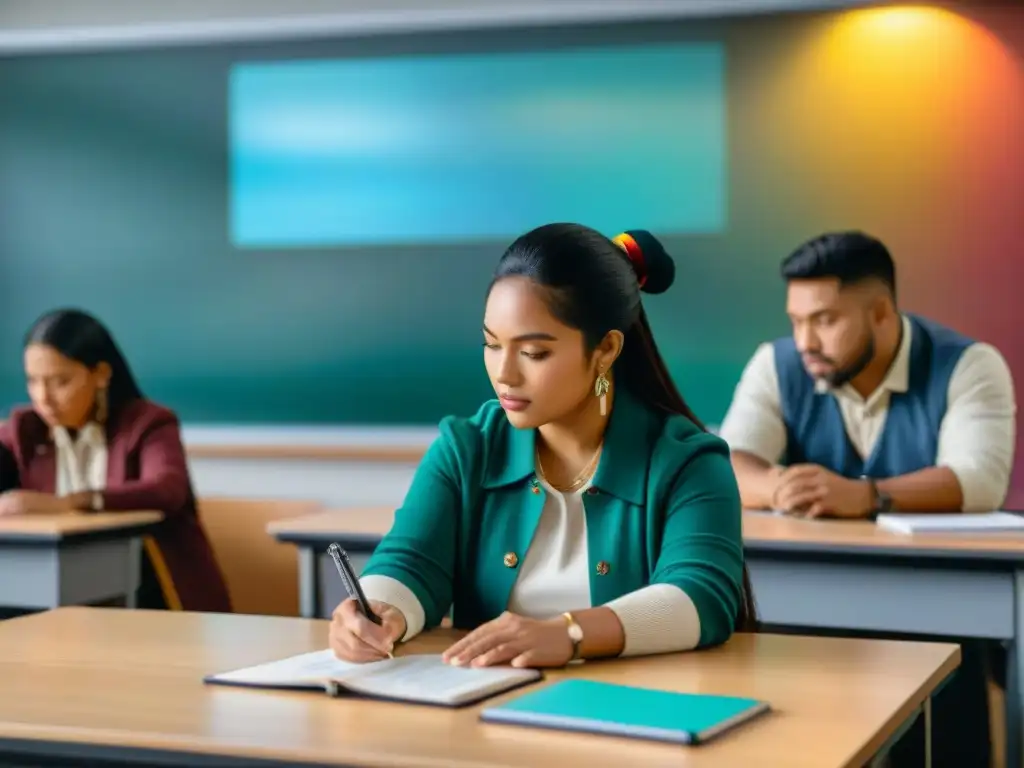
x=849 y=257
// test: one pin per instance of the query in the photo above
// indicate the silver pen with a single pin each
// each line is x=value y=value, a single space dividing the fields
x=352 y=585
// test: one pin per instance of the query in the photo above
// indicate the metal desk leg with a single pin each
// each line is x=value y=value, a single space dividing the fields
x=928 y=732
x=1015 y=681
x=309 y=583
x=134 y=573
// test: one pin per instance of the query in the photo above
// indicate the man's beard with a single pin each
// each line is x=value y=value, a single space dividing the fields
x=844 y=375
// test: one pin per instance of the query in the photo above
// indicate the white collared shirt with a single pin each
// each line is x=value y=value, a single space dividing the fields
x=81 y=460
x=976 y=438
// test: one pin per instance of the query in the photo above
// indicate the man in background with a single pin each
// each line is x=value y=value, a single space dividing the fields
x=864 y=410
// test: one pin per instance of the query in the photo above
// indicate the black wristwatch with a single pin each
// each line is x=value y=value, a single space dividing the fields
x=881 y=501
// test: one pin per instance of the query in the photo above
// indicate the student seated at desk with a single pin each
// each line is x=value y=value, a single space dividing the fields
x=91 y=442
x=585 y=512
x=866 y=410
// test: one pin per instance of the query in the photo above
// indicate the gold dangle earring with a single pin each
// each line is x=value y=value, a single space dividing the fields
x=102 y=404
x=601 y=387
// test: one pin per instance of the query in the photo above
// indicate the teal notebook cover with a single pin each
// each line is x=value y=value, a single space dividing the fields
x=622 y=710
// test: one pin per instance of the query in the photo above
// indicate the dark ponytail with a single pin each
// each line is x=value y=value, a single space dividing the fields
x=642 y=370
x=595 y=286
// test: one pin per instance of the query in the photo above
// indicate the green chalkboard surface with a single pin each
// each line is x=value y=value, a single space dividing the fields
x=114 y=197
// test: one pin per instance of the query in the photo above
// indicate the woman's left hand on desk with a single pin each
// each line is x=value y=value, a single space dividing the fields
x=21 y=502
x=516 y=640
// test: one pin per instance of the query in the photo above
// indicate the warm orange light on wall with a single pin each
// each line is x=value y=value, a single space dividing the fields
x=898 y=102
x=903 y=73
x=900 y=23
x=906 y=43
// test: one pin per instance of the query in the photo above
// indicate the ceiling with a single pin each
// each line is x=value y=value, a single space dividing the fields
x=38 y=26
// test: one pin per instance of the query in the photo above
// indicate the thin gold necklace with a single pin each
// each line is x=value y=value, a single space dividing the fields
x=585 y=474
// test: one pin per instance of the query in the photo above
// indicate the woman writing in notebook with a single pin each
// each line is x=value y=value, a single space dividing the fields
x=584 y=513
x=91 y=442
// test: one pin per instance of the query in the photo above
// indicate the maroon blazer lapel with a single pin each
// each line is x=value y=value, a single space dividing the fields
x=117 y=455
x=41 y=466
x=34 y=450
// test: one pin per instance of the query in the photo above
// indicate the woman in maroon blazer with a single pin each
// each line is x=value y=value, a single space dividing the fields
x=92 y=442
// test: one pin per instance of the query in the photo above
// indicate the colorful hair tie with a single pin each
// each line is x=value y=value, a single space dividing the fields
x=636 y=255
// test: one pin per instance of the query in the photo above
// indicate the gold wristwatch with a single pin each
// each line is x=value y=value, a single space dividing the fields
x=575 y=634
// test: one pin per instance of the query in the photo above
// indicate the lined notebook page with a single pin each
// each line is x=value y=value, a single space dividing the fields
x=315 y=668
x=428 y=678
x=422 y=678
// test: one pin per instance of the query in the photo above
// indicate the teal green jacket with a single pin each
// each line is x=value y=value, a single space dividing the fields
x=664 y=509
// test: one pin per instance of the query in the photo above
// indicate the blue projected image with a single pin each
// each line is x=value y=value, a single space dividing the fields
x=448 y=148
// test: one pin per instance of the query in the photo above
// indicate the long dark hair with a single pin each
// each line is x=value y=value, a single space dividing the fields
x=594 y=285
x=81 y=337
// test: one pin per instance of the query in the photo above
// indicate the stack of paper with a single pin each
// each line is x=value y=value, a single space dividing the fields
x=986 y=522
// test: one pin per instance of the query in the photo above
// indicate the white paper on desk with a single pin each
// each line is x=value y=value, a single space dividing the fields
x=422 y=678
x=963 y=522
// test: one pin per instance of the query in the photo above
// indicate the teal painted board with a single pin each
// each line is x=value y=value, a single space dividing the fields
x=623 y=710
x=114 y=196
x=454 y=147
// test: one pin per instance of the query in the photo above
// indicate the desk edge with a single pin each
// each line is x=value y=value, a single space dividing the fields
x=34 y=538
x=361 y=542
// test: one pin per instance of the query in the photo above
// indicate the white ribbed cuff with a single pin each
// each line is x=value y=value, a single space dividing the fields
x=659 y=618
x=395 y=593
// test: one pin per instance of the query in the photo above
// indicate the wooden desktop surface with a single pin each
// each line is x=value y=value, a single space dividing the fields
x=759 y=529
x=351 y=521
x=765 y=529
x=104 y=677
x=56 y=527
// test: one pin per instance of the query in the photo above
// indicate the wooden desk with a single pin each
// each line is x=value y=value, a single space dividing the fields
x=51 y=560
x=766 y=532
x=837 y=575
x=853 y=575
x=79 y=684
x=358 y=530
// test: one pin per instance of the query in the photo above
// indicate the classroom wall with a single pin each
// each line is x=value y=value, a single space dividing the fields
x=331 y=482
x=113 y=194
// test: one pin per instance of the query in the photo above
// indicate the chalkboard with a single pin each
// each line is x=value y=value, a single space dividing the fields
x=114 y=172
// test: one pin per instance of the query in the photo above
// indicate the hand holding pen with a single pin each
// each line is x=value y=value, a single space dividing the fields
x=361 y=630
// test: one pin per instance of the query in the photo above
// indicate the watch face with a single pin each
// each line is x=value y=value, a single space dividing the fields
x=575 y=633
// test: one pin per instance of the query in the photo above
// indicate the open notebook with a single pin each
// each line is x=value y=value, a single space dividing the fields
x=416 y=679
